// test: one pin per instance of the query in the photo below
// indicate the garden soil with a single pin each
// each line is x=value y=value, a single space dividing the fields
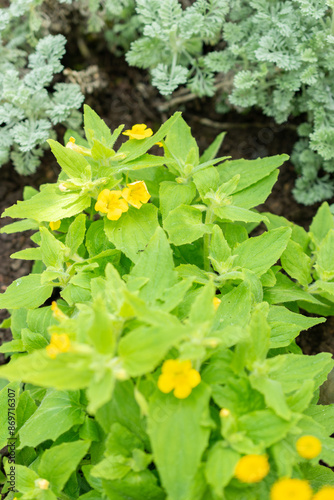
x=120 y=94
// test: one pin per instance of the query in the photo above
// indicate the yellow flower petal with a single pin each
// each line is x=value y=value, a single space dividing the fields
x=194 y=378
x=252 y=468
x=326 y=493
x=308 y=446
x=111 y=203
x=166 y=383
x=59 y=343
x=171 y=366
x=136 y=194
x=291 y=489
x=216 y=302
x=55 y=225
x=139 y=131
x=182 y=391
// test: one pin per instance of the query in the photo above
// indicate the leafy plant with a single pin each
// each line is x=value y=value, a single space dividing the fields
x=277 y=53
x=167 y=366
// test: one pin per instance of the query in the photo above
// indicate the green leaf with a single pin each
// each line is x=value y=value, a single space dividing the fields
x=264 y=427
x=32 y=340
x=73 y=163
x=255 y=194
x=211 y=152
x=324 y=257
x=322 y=223
x=68 y=371
x=291 y=370
x=95 y=128
x=25 y=478
x=250 y=171
x=58 y=463
x=25 y=292
x=57 y=413
x=49 y=205
x=52 y=249
x=273 y=394
x=76 y=233
x=156 y=264
x=172 y=195
x=133 y=230
x=96 y=239
x=220 y=466
x=26 y=407
x=135 y=486
x=179 y=437
x=100 y=389
x=184 y=225
x=21 y=225
x=286 y=290
x=261 y=252
x=179 y=142
x=235 y=308
x=202 y=309
x=207 y=180
x=296 y=263
x=28 y=254
x=286 y=325
x=234 y=213
x=142 y=349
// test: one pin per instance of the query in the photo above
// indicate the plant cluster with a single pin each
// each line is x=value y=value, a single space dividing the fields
x=278 y=54
x=29 y=58
x=166 y=365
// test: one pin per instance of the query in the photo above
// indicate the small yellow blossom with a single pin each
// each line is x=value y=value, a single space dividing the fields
x=43 y=484
x=59 y=343
x=180 y=376
x=136 y=194
x=57 y=313
x=224 y=412
x=252 y=468
x=55 y=225
x=326 y=493
x=308 y=446
x=216 y=302
x=291 y=489
x=159 y=144
x=111 y=203
x=79 y=149
x=139 y=131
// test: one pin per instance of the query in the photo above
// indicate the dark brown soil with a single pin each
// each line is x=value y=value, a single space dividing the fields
x=129 y=98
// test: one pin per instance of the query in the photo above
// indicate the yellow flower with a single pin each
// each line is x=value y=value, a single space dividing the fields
x=180 y=376
x=57 y=313
x=159 y=144
x=79 y=149
x=252 y=468
x=216 y=302
x=55 y=225
x=224 y=412
x=136 y=194
x=59 y=343
x=291 y=489
x=43 y=484
x=139 y=131
x=326 y=493
x=111 y=203
x=308 y=446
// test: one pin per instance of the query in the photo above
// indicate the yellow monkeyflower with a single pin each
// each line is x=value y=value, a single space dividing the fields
x=178 y=376
x=43 y=484
x=57 y=313
x=308 y=446
x=79 y=149
x=160 y=144
x=326 y=493
x=216 y=302
x=139 y=131
x=111 y=203
x=59 y=343
x=55 y=225
x=252 y=468
x=291 y=489
x=136 y=194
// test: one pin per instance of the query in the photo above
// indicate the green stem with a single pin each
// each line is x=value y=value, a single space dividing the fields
x=209 y=219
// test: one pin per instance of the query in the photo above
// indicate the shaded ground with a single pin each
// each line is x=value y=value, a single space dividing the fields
x=125 y=96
